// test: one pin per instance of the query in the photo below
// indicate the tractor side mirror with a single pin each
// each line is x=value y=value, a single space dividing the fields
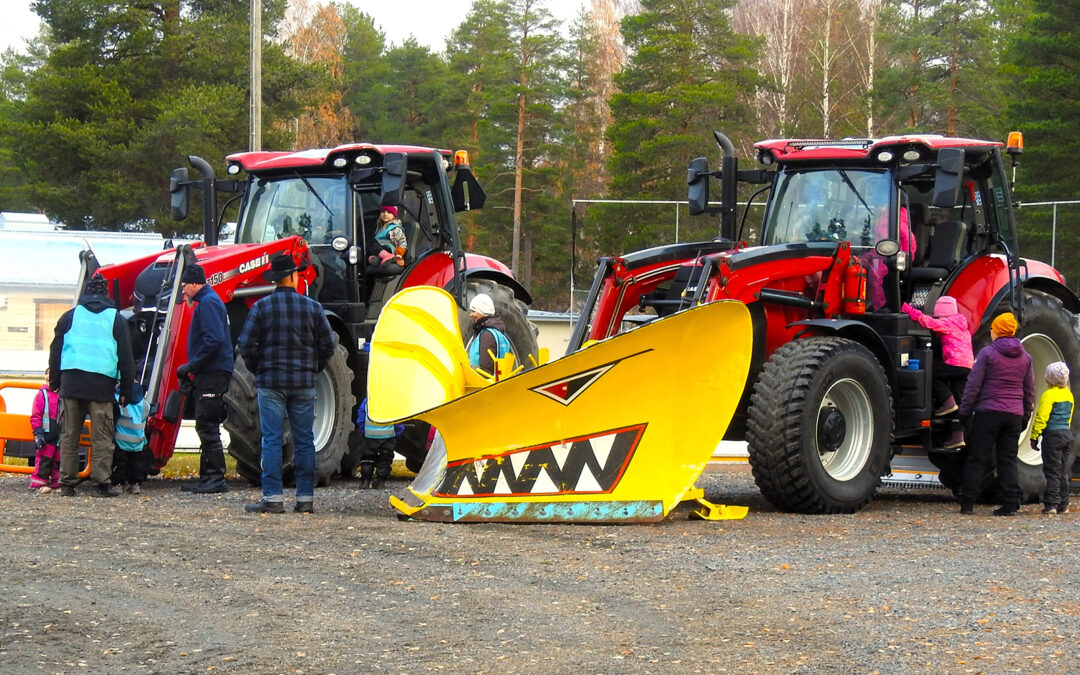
x=178 y=193
x=395 y=170
x=947 y=178
x=466 y=193
x=697 y=180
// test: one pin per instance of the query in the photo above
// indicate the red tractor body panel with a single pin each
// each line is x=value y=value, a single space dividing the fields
x=979 y=285
x=788 y=150
x=437 y=269
x=271 y=161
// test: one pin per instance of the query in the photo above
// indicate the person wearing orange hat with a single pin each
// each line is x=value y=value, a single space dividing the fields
x=998 y=401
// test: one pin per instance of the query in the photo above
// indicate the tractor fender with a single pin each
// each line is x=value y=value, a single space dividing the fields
x=980 y=287
x=437 y=269
x=473 y=274
x=1042 y=284
x=858 y=332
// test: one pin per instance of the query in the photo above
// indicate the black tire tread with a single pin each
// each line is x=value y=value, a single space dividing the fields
x=774 y=432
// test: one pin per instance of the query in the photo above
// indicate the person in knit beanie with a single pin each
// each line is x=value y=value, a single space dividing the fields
x=952 y=361
x=998 y=400
x=1053 y=423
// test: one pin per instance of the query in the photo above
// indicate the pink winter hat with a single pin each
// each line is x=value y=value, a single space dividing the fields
x=945 y=306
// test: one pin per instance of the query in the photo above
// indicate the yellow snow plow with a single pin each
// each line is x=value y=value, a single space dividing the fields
x=616 y=432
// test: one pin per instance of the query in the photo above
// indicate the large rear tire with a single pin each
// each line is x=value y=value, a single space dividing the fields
x=819 y=426
x=1049 y=333
x=412 y=445
x=334 y=403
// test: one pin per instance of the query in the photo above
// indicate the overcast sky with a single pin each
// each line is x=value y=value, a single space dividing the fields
x=429 y=21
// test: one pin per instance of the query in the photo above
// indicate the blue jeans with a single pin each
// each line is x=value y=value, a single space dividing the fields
x=299 y=404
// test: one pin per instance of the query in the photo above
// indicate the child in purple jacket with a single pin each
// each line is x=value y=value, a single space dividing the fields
x=952 y=360
x=44 y=416
x=999 y=398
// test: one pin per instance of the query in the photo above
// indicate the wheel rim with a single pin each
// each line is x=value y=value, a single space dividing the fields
x=325 y=405
x=845 y=429
x=1043 y=351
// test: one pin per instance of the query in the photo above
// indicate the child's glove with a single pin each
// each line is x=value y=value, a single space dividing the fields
x=1034 y=443
x=39 y=441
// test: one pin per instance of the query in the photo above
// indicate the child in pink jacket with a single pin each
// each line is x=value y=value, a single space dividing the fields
x=43 y=419
x=952 y=365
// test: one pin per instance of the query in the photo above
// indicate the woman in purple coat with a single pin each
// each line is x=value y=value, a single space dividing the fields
x=998 y=398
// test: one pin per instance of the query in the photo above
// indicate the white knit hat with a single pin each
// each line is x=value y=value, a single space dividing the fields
x=1057 y=374
x=482 y=304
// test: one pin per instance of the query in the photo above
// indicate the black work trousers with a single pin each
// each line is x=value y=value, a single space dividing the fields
x=378 y=457
x=1055 y=456
x=209 y=392
x=949 y=381
x=992 y=434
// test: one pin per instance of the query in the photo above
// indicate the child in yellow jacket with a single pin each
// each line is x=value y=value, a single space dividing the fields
x=1053 y=421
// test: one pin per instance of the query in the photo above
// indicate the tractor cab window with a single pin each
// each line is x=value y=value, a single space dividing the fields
x=417 y=213
x=309 y=206
x=997 y=188
x=830 y=205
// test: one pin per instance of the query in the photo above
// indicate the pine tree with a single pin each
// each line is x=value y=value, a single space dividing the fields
x=122 y=92
x=688 y=74
x=1045 y=105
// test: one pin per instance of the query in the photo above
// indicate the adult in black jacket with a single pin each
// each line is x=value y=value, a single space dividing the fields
x=89 y=355
x=210 y=366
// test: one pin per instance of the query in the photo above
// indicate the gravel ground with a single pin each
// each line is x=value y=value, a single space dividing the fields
x=174 y=583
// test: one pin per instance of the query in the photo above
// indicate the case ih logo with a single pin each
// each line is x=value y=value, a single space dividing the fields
x=264 y=259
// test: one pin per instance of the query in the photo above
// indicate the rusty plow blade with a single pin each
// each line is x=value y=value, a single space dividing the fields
x=616 y=432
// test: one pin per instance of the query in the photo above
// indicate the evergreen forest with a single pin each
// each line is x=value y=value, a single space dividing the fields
x=111 y=96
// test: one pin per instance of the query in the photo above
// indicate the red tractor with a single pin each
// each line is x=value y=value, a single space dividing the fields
x=840 y=377
x=321 y=206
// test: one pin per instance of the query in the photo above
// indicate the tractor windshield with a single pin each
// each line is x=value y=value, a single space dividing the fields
x=313 y=207
x=829 y=205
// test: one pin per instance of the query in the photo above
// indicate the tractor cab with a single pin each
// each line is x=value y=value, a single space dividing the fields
x=332 y=198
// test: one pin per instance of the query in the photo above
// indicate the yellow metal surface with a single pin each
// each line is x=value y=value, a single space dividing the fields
x=632 y=420
x=417 y=359
x=708 y=511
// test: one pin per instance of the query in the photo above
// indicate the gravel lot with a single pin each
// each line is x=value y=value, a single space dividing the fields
x=174 y=583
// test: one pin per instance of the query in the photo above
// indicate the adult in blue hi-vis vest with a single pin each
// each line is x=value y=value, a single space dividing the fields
x=90 y=354
x=489 y=334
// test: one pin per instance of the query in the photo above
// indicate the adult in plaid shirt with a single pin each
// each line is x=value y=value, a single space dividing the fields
x=286 y=342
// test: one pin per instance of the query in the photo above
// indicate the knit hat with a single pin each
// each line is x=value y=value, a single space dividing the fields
x=1004 y=325
x=97 y=285
x=945 y=306
x=482 y=304
x=1057 y=374
x=390 y=209
x=193 y=274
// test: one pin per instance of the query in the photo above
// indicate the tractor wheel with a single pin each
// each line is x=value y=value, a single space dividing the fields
x=1049 y=333
x=334 y=403
x=412 y=445
x=819 y=426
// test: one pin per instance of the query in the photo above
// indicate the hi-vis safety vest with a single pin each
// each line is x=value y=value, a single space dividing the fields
x=502 y=346
x=89 y=344
x=130 y=432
